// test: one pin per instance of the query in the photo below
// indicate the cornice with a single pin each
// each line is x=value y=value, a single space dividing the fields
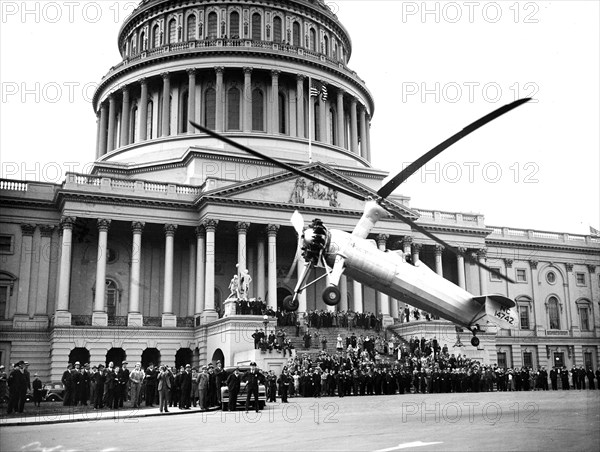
x=542 y=246
x=121 y=200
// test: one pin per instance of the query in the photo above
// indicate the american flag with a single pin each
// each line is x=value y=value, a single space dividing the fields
x=318 y=88
x=594 y=231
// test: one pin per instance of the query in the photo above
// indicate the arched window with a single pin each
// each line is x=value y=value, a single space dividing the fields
x=155 y=36
x=296 y=34
x=212 y=25
x=256 y=27
x=233 y=109
x=183 y=112
x=234 y=25
x=335 y=50
x=313 y=40
x=258 y=122
x=142 y=41
x=210 y=106
x=133 y=132
x=191 y=27
x=554 y=313
x=282 y=114
x=326 y=45
x=277 y=29
x=149 y=120
x=133 y=45
x=172 y=31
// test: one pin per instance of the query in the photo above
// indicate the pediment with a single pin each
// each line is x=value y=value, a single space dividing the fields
x=285 y=188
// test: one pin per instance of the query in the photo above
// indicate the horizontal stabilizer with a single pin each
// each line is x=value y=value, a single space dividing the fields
x=500 y=310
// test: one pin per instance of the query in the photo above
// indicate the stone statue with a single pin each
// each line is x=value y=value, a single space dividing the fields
x=234 y=287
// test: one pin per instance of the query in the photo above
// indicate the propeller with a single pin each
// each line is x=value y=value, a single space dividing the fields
x=298 y=223
x=313 y=254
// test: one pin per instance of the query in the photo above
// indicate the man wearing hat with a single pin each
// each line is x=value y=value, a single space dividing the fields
x=16 y=389
x=135 y=381
x=3 y=384
x=67 y=381
x=253 y=378
x=233 y=384
x=37 y=390
x=185 y=388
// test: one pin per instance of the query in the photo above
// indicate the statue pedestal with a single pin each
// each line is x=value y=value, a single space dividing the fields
x=230 y=307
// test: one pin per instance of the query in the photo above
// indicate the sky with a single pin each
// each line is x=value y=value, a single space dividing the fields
x=432 y=67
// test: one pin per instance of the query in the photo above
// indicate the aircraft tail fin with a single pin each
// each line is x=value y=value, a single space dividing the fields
x=499 y=310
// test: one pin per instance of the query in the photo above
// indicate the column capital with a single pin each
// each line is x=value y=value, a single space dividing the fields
x=300 y=77
x=407 y=240
x=591 y=268
x=508 y=262
x=27 y=229
x=67 y=222
x=103 y=224
x=143 y=81
x=417 y=247
x=482 y=253
x=125 y=90
x=200 y=231
x=191 y=71
x=111 y=98
x=170 y=229
x=219 y=69
x=272 y=229
x=353 y=101
x=461 y=251
x=210 y=224
x=382 y=239
x=137 y=227
x=247 y=69
x=438 y=250
x=242 y=227
x=275 y=73
x=533 y=264
x=165 y=75
x=46 y=230
x=569 y=267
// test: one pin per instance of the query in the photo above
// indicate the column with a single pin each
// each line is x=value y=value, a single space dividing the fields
x=112 y=120
x=358 y=297
x=538 y=316
x=322 y=119
x=300 y=266
x=168 y=317
x=438 y=260
x=460 y=263
x=340 y=118
x=191 y=113
x=384 y=300
x=260 y=268
x=368 y=139
x=481 y=255
x=363 y=132
x=143 y=112
x=41 y=306
x=102 y=134
x=394 y=308
x=125 y=118
x=166 y=104
x=247 y=122
x=27 y=231
x=209 y=312
x=407 y=245
x=99 y=315
x=301 y=133
x=343 y=306
x=353 y=130
x=242 y=231
x=274 y=126
x=219 y=99
x=272 y=266
x=134 y=314
x=416 y=249
x=62 y=315
x=200 y=268
x=191 y=308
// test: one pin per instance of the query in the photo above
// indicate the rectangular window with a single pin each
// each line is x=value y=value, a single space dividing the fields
x=580 y=279
x=7 y=244
x=521 y=275
x=4 y=292
x=584 y=318
x=502 y=360
x=527 y=359
x=524 y=316
x=494 y=277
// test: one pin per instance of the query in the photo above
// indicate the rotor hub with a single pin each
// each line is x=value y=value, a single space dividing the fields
x=315 y=239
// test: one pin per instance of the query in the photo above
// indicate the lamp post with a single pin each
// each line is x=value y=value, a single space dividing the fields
x=265 y=323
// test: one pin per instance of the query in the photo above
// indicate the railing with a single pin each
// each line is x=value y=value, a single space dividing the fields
x=185 y=322
x=132 y=184
x=120 y=320
x=544 y=235
x=155 y=186
x=152 y=321
x=13 y=185
x=81 y=320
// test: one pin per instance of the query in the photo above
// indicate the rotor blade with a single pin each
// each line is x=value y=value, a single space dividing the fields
x=275 y=162
x=292 y=267
x=446 y=245
x=298 y=223
x=394 y=183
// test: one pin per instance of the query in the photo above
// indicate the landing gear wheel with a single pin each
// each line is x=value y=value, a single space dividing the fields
x=475 y=341
x=331 y=296
x=289 y=304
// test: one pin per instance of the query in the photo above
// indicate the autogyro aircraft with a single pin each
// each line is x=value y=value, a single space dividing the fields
x=389 y=272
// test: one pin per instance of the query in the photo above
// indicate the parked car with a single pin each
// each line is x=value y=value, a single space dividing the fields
x=241 y=400
x=51 y=392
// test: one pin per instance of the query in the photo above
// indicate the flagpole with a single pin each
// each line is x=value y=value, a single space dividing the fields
x=309 y=119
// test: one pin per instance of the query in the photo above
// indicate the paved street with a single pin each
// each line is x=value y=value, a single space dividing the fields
x=438 y=422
